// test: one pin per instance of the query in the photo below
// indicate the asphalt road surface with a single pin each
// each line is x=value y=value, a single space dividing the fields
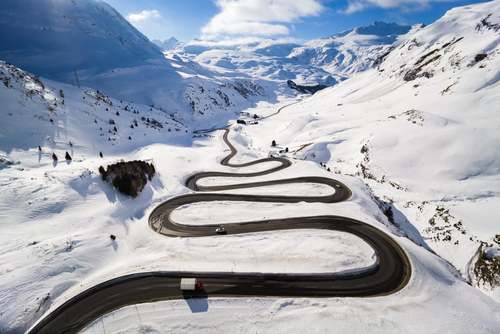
x=390 y=273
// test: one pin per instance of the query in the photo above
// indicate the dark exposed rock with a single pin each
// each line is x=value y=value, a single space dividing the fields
x=417 y=71
x=382 y=57
x=129 y=177
x=487 y=269
x=305 y=89
x=421 y=59
x=479 y=57
x=487 y=25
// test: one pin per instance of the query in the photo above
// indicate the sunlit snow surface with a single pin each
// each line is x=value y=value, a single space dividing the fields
x=428 y=145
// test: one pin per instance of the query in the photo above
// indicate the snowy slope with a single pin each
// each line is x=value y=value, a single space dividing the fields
x=38 y=112
x=56 y=218
x=88 y=43
x=422 y=130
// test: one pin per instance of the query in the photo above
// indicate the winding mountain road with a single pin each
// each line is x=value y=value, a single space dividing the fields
x=390 y=273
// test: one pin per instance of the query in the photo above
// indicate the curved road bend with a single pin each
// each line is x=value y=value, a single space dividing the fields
x=390 y=274
x=280 y=109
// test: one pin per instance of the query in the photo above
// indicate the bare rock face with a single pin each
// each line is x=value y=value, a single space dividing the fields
x=128 y=177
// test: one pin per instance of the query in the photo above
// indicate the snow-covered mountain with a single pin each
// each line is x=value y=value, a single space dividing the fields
x=88 y=43
x=423 y=131
x=54 y=38
x=325 y=61
x=167 y=44
x=351 y=51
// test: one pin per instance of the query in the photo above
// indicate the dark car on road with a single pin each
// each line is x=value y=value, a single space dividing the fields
x=220 y=230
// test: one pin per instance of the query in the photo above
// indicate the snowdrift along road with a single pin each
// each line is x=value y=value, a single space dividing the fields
x=390 y=274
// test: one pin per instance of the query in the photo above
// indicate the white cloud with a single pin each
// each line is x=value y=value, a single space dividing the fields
x=142 y=16
x=358 y=5
x=258 y=17
x=240 y=42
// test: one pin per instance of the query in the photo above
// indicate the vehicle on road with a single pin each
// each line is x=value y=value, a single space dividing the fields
x=240 y=121
x=191 y=284
x=220 y=230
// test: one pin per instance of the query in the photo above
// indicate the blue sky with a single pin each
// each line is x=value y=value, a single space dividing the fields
x=298 y=19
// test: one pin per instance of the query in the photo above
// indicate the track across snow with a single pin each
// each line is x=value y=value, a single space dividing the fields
x=390 y=273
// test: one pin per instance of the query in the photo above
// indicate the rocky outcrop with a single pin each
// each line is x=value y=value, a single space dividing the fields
x=305 y=89
x=129 y=177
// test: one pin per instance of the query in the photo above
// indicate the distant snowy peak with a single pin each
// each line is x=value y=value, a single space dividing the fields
x=275 y=49
x=55 y=37
x=351 y=51
x=322 y=61
x=167 y=44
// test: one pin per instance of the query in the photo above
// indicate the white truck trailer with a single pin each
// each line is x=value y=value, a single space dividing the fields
x=191 y=284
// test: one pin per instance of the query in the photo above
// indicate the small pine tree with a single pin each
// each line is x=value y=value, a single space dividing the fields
x=54 y=157
x=286 y=149
x=273 y=144
x=39 y=149
x=67 y=156
x=100 y=154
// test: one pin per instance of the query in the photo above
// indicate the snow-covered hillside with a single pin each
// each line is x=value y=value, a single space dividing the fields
x=88 y=43
x=38 y=112
x=325 y=61
x=423 y=131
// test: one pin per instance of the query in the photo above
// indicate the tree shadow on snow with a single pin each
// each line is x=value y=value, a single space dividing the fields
x=129 y=207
